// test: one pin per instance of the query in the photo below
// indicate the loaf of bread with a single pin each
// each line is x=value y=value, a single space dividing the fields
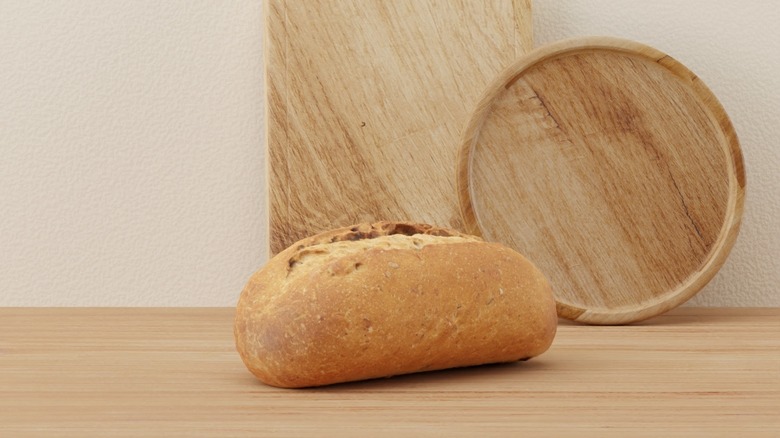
x=377 y=300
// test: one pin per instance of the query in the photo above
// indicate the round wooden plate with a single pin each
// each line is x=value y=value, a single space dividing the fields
x=613 y=168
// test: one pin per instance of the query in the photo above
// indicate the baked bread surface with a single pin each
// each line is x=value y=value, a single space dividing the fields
x=389 y=298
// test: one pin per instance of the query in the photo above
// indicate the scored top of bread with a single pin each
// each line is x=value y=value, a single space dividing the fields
x=310 y=253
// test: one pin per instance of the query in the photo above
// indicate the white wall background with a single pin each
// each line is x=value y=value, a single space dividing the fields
x=131 y=167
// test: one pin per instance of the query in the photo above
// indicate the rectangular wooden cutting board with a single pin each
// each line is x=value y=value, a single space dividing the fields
x=365 y=100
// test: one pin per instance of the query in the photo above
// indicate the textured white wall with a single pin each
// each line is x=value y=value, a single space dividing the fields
x=130 y=151
x=131 y=169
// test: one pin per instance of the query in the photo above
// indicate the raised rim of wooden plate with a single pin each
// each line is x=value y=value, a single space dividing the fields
x=736 y=174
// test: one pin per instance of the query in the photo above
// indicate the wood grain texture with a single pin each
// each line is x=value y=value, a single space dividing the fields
x=613 y=168
x=365 y=100
x=174 y=372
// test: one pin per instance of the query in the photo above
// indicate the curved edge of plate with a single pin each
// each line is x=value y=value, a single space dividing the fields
x=736 y=171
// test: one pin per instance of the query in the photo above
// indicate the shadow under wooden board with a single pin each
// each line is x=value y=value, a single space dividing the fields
x=365 y=100
x=613 y=168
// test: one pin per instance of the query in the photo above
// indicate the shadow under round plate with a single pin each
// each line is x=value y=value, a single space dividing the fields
x=613 y=168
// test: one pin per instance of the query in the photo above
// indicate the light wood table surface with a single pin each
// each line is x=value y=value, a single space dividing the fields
x=174 y=372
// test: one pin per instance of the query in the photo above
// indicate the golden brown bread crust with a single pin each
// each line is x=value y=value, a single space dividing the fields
x=390 y=298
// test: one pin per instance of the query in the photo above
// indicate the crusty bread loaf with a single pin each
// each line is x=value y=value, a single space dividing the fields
x=390 y=298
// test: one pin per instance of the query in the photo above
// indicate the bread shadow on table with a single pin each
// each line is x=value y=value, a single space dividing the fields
x=441 y=379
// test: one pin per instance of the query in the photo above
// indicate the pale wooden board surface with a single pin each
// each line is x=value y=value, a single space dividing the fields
x=174 y=372
x=610 y=166
x=365 y=101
